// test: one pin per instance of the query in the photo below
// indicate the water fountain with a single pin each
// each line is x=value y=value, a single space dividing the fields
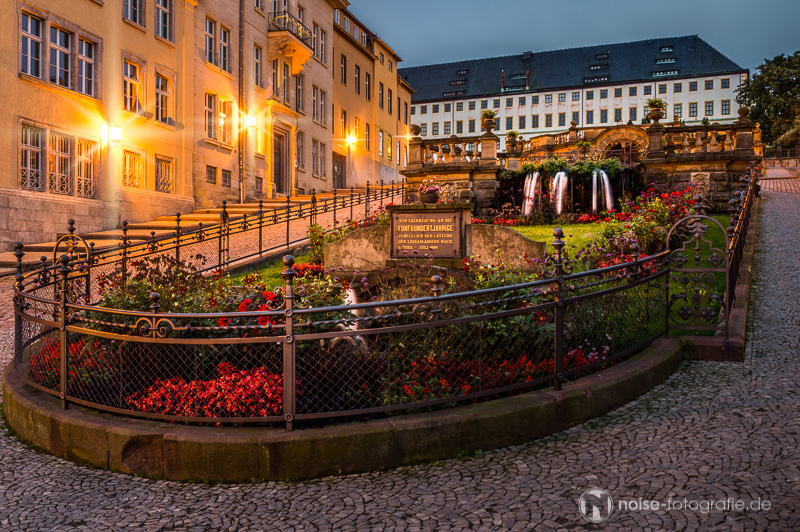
x=605 y=189
x=559 y=190
x=529 y=193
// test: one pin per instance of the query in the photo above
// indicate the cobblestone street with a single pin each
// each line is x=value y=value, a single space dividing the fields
x=711 y=431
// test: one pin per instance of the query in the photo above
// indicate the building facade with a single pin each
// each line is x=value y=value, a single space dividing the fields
x=133 y=109
x=597 y=86
x=371 y=130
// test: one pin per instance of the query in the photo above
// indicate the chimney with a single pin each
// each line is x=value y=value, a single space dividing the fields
x=527 y=78
x=502 y=80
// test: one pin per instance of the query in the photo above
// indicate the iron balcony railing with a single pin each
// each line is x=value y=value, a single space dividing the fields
x=285 y=21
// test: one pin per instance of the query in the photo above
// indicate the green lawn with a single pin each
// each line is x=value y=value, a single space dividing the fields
x=270 y=274
x=575 y=235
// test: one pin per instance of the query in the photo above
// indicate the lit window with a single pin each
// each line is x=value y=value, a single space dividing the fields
x=226 y=121
x=130 y=87
x=132 y=169
x=210 y=116
x=163 y=175
x=85 y=168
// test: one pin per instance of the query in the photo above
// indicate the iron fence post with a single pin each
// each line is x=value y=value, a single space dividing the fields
x=89 y=264
x=64 y=270
x=437 y=291
x=334 y=207
x=558 y=245
x=154 y=308
x=366 y=203
x=223 y=227
x=124 y=245
x=313 y=206
x=178 y=232
x=260 y=228
x=18 y=300
x=351 y=201
x=288 y=217
x=289 y=348
x=381 y=195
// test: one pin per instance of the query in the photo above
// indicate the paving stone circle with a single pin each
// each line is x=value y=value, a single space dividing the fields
x=711 y=431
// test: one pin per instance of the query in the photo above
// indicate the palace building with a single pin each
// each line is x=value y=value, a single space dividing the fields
x=595 y=86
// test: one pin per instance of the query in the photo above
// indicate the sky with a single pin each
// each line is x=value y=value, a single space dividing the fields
x=440 y=31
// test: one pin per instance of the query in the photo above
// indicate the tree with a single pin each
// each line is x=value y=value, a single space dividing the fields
x=773 y=95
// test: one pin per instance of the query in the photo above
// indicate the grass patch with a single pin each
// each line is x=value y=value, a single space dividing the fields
x=270 y=274
x=582 y=234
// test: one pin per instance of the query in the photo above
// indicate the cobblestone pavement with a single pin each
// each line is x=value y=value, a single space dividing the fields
x=781 y=180
x=711 y=431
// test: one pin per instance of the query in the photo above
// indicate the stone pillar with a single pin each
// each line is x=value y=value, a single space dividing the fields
x=415 y=155
x=655 y=143
x=488 y=147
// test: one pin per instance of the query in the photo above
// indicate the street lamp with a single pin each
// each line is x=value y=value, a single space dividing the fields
x=115 y=133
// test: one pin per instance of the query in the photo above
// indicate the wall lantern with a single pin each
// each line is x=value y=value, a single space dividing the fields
x=115 y=133
x=251 y=121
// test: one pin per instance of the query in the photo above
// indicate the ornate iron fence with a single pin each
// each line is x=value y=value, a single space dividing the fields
x=293 y=362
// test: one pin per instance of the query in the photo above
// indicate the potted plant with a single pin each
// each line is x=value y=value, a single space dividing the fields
x=488 y=117
x=428 y=192
x=657 y=107
x=511 y=140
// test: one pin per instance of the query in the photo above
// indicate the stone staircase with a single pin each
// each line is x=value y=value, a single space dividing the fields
x=165 y=225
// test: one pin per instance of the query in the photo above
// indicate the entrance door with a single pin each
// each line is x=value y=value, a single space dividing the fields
x=280 y=169
x=339 y=164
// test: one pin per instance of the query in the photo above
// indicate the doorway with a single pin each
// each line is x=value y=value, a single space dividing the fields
x=339 y=164
x=280 y=173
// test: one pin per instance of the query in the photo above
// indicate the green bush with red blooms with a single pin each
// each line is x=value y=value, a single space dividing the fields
x=88 y=364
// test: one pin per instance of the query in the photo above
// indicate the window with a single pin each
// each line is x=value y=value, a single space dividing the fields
x=60 y=178
x=709 y=84
x=509 y=123
x=632 y=114
x=631 y=91
x=380 y=96
x=226 y=122
x=324 y=58
x=423 y=109
x=617 y=93
x=576 y=96
x=133 y=10
x=381 y=58
x=163 y=175
x=226 y=178
x=275 y=73
x=210 y=116
x=368 y=85
x=509 y=102
x=435 y=128
x=589 y=118
x=692 y=86
x=709 y=108
x=576 y=117
x=31 y=157
x=405 y=113
x=617 y=115
x=260 y=4
x=367 y=139
x=666 y=49
x=423 y=130
x=534 y=100
x=590 y=95
x=484 y=104
x=60 y=57
x=299 y=153
x=447 y=107
x=548 y=98
x=357 y=79
x=86 y=67
x=85 y=168
x=390 y=69
x=130 y=87
x=258 y=69
x=389 y=100
x=662 y=88
x=548 y=120
x=357 y=129
x=471 y=106
x=343 y=70
x=31 y=45
x=726 y=107
x=677 y=110
x=562 y=97
x=164 y=19
x=211 y=41
x=535 y=121
x=521 y=122
x=648 y=90
x=562 y=119
x=471 y=126
x=343 y=124
x=413 y=110
x=693 y=109
x=496 y=103
x=211 y=175
x=347 y=24
x=677 y=87
x=459 y=127
x=603 y=94
x=725 y=83
x=299 y=93
x=336 y=18
x=225 y=49
x=447 y=128
x=459 y=106
x=603 y=116
x=522 y=101
x=163 y=111
x=285 y=82
x=132 y=169
x=318 y=165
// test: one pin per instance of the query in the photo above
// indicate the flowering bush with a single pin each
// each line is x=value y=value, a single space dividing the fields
x=308 y=270
x=586 y=218
x=425 y=188
x=508 y=222
x=88 y=364
x=235 y=393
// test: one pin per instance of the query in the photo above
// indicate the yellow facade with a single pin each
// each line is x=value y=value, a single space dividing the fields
x=211 y=100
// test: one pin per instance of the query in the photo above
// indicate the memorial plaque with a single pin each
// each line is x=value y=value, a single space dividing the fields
x=438 y=233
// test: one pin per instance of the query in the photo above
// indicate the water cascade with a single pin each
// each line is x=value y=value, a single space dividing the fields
x=605 y=189
x=559 y=189
x=529 y=193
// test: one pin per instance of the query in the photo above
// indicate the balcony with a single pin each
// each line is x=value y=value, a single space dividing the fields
x=288 y=36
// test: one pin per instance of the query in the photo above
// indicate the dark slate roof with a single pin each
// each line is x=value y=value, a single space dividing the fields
x=560 y=69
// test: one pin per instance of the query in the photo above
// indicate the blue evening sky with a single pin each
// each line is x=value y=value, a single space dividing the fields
x=438 y=31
